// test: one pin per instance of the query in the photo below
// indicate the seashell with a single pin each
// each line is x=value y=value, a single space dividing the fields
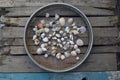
x=47 y=25
x=64 y=42
x=80 y=42
x=42 y=45
x=54 y=43
x=60 y=45
x=45 y=39
x=44 y=49
x=34 y=37
x=35 y=29
x=71 y=42
x=37 y=41
x=77 y=58
x=45 y=55
x=54 y=38
x=66 y=46
x=71 y=36
x=62 y=21
x=73 y=24
x=64 y=34
x=58 y=35
x=66 y=54
x=39 y=51
x=51 y=24
x=54 y=33
x=53 y=52
x=58 y=55
x=67 y=29
x=40 y=25
x=42 y=35
x=62 y=39
x=49 y=42
x=70 y=20
x=71 y=46
x=75 y=46
x=42 y=21
x=58 y=40
x=62 y=57
x=57 y=22
x=82 y=29
x=73 y=53
x=77 y=51
x=75 y=27
x=46 y=30
x=53 y=47
x=61 y=32
x=75 y=32
x=56 y=28
x=65 y=37
x=47 y=15
x=56 y=16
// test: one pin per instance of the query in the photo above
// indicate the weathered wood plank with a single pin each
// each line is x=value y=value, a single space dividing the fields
x=11 y=32
x=95 y=21
x=97 y=3
x=97 y=41
x=27 y=11
x=95 y=62
x=19 y=50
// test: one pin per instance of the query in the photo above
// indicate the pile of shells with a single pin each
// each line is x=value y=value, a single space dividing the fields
x=56 y=39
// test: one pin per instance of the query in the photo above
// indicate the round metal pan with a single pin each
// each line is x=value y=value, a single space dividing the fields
x=44 y=63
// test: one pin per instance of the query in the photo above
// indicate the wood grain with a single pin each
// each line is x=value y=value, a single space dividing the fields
x=95 y=62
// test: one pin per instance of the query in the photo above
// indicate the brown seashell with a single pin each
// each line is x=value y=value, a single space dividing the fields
x=54 y=51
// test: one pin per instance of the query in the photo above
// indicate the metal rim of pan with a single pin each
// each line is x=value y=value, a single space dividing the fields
x=83 y=17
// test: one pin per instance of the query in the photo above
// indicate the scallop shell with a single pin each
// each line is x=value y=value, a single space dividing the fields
x=62 y=57
x=62 y=21
x=79 y=42
x=45 y=39
x=39 y=51
x=70 y=20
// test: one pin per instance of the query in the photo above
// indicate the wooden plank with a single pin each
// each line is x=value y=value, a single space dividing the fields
x=27 y=11
x=95 y=21
x=97 y=3
x=19 y=50
x=11 y=32
x=95 y=62
x=97 y=41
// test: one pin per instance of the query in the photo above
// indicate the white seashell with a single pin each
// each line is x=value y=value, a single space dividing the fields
x=78 y=51
x=42 y=45
x=53 y=47
x=71 y=46
x=49 y=42
x=51 y=24
x=66 y=46
x=75 y=27
x=42 y=35
x=64 y=43
x=57 y=22
x=73 y=24
x=56 y=16
x=36 y=41
x=66 y=54
x=56 y=28
x=45 y=55
x=46 y=30
x=60 y=45
x=78 y=29
x=42 y=21
x=44 y=49
x=73 y=53
x=67 y=29
x=35 y=29
x=62 y=21
x=58 y=35
x=71 y=42
x=62 y=39
x=39 y=51
x=64 y=34
x=70 y=20
x=77 y=58
x=54 y=43
x=54 y=38
x=47 y=15
x=45 y=39
x=75 y=46
x=61 y=32
x=62 y=57
x=34 y=37
x=58 y=40
x=82 y=29
x=58 y=55
x=71 y=36
x=80 y=42
x=54 y=33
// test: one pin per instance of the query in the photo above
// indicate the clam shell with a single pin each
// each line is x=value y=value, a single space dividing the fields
x=79 y=42
x=39 y=51
x=62 y=21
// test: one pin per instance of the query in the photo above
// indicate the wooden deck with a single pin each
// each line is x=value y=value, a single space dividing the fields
x=101 y=13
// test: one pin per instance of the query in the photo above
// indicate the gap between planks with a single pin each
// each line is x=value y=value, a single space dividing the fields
x=95 y=62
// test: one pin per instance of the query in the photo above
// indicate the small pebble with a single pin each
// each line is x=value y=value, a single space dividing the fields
x=66 y=54
x=62 y=21
x=58 y=55
x=71 y=42
x=73 y=53
x=45 y=55
x=67 y=29
x=78 y=51
x=45 y=39
x=58 y=35
x=62 y=39
x=42 y=35
x=71 y=36
x=62 y=57
x=73 y=24
x=61 y=32
x=79 y=42
x=70 y=20
x=34 y=37
x=44 y=49
x=47 y=25
x=58 y=40
x=35 y=29
x=82 y=29
x=77 y=58
x=42 y=21
x=53 y=52
x=75 y=46
x=37 y=41
x=40 y=25
x=46 y=30
x=39 y=51
x=64 y=42
x=47 y=15
x=75 y=32
x=56 y=16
